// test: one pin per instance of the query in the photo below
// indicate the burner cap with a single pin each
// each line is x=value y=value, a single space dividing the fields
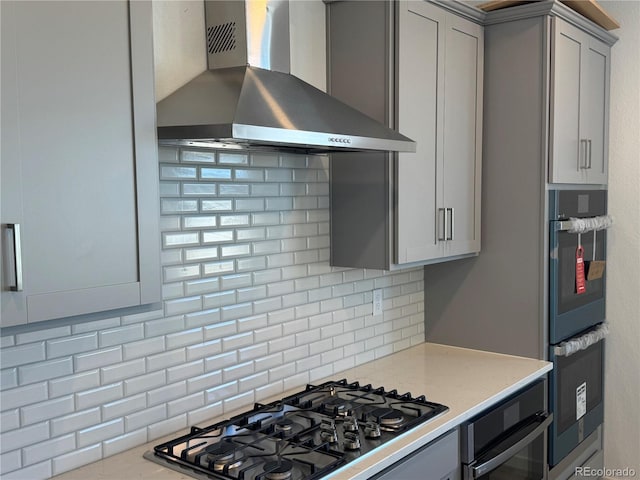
x=388 y=416
x=278 y=470
x=337 y=406
x=225 y=456
x=284 y=425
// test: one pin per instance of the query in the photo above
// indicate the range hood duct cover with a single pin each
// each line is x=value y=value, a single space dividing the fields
x=249 y=98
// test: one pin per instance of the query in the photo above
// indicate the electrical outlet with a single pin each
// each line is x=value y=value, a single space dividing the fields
x=377 y=302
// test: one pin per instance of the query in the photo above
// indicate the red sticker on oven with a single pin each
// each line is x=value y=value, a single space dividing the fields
x=580 y=280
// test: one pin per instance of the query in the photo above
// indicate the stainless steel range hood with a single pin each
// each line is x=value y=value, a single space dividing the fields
x=249 y=98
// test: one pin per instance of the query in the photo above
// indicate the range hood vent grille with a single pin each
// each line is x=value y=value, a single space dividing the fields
x=222 y=38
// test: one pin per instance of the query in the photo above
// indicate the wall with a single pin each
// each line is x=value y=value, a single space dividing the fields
x=251 y=306
x=622 y=369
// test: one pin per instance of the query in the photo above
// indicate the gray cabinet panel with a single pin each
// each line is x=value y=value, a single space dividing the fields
x=75 y=158
x=580 y=105
x=408 y=76
x=421 y=31
x=438 y=460
x=462 y=143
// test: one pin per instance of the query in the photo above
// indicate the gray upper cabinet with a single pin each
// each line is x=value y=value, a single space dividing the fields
x=440 y=107
x=580 y=106
x=79 y=160
x=417 y=67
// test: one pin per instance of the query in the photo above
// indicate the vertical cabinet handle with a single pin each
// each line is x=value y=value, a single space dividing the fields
x=442 y=224
x=17 y=256
x=583 y=154
x=589 y=156
x=451 y=220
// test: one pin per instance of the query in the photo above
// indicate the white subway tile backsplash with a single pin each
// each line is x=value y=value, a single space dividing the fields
x=98 y=396
x=184 y=338
x=239 y=401
x=183 y=305
x=10 y=461
x=24 y=436
x=254 y=381
x=165 y=427
x=166 y=359
x=144 y=382
x=67 y=462
x=167 y=393
x=97 y=359
x=195 y=156
x=46 y=410
x=185 y=371
x=204 y=349
x=145 y=417
x=124 y=442
x=40 y=471
x=221 y=361
x=197 y=416
x=75 y=383
x=281 y=316
x=32 y=337
x=250 y=307
x=236 y=372
x=186 y=404
x=298 y=380
x=21 y=354
x=254 y=351
x=9 y=378
x=221 y=392
x=235 y=342
x=9 y=420
x=123 y=407
x=204 y=382
x=143 y=348
x=37 y=372
x=97 y=433
x=17 y=397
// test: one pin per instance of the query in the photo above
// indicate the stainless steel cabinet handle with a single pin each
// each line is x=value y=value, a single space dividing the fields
x=441 y=231
x=589 y=156
x=451 y=220
x=582 y=154
x=17 y=256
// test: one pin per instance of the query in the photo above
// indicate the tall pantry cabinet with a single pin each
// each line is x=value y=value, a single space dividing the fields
x=79 y=164
x=416 y=66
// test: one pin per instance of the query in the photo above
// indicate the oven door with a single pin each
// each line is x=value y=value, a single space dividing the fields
x=521 y=456
x=571 y=313
x=576 y=397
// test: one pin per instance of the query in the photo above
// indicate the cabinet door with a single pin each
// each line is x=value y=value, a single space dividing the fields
x=462 y=135
x=595 y=112
x=419 y=209
x=580 y=105
x=568 y=148
x=71 y=158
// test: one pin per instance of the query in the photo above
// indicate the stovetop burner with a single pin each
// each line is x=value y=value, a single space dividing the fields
x=301 y=437
x=278 y=470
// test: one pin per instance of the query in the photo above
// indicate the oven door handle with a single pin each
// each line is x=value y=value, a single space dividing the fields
x=494 y=462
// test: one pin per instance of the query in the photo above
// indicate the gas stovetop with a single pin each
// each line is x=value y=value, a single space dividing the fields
x=304 y=436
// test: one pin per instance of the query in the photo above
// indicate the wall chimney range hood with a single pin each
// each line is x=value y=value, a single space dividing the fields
x=248 y=97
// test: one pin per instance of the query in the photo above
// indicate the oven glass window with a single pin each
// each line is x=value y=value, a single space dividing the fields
x=583 y=367
x=527 y=464
x=568 y=243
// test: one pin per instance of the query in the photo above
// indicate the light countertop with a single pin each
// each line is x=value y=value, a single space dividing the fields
x=467 y=381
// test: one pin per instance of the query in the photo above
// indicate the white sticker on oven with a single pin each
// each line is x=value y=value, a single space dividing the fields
x=581 y=400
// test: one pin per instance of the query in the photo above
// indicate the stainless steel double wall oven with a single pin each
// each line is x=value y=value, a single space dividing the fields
x=577 y=251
